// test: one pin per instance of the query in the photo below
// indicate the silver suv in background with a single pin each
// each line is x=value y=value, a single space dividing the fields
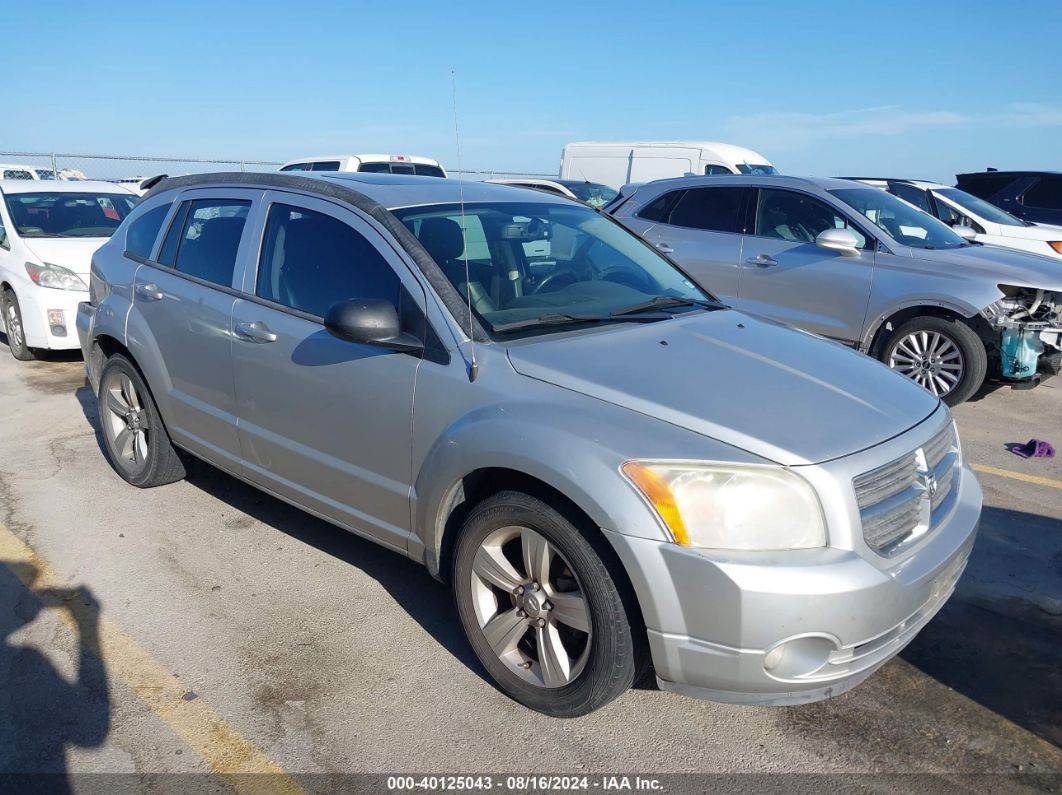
x=860 y=266
x=516 y=392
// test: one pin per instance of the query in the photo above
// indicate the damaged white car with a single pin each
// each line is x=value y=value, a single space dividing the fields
x=860 y=266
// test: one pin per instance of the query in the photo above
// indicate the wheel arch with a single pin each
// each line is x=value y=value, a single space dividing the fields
x=877 y=335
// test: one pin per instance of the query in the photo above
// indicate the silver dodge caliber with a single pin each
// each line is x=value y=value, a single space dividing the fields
x=609 y=467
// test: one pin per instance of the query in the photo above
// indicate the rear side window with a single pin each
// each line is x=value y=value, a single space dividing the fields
x=659 y=208
x=910 y=194
x=140 y=238
x=984 y=185
x=310 y=261
x=325 y=165
x=1046 y=194
x=204 y=239
x=712 y=209
x=13 y=173
x=713 y=169
x=297 y=167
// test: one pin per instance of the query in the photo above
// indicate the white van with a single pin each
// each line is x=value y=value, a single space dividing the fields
x=386 y=164
x=620 y=163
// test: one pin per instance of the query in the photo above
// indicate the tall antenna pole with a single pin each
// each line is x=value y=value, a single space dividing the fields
x=473 y=366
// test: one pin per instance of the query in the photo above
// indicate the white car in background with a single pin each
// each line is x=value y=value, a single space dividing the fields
x=48 y=234
x=592 y=193
x=22 y=171
x=994 y=227
x=377 y=164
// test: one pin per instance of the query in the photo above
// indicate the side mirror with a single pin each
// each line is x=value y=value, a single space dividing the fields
x=369 y=321
x=843 y=241
x=967 y=233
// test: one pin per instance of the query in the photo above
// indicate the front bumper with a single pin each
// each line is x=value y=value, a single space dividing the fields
x=717 y=620
x=36 y=304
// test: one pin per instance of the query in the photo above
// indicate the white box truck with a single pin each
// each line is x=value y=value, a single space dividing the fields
x=619 y=163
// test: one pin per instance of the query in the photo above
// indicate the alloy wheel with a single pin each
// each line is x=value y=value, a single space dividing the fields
x=531 y=607
x=126 y=422
x=930 y=359
x=14 y=326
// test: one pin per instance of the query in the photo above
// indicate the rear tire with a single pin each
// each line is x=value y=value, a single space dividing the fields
x=134 y=438
x=519 y=562
x=15 y=330
x=942 y=354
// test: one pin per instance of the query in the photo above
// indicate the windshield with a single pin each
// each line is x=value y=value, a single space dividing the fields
x=980 y=207
x=756 y=170
x=593 y=193
x=64 y=214
x=902 y=222
x=538 y=264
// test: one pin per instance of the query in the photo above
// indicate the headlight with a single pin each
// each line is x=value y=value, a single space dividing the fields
x=723 y=506
x=55 y=276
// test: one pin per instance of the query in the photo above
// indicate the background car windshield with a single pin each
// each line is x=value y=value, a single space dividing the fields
x=593 y=193
x=526 y=260
x=756 y=170
x=902 y=222
x=64 y=214
x=980 y=207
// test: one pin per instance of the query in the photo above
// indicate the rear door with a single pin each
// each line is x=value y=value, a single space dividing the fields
x=701 y=229
x=179 y=329
x=1042 y=202
x=784 y=275
x=324 y=422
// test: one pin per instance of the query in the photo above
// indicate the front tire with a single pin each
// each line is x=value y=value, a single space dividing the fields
x=944 y=355
x=15 y=330
x=540 y=608
x=134 y=438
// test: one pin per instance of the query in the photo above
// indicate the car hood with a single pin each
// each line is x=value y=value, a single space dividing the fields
x=776 y=392
x=1043 y=232
x=1003 y=266
x=74 y=253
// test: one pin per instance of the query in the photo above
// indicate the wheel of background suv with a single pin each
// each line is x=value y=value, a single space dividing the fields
x=943 y=355
x=16 y=333
x=134 y=437
x=541 y=609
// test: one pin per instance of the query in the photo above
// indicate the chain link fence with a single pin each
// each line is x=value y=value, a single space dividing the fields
x=133 y=168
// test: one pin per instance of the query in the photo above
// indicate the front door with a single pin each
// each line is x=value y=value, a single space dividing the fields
x=179 y=328
x=784 y=275
x=324 y=422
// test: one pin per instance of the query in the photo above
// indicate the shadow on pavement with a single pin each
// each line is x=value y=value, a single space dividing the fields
x=41 y=711
x=998 y=640
x=426 y=600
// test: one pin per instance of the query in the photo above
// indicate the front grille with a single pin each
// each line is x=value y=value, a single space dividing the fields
x=904 y=498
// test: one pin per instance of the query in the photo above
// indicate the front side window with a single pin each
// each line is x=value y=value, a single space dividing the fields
x=1045 y=194
x=325 y=165
x=140 y=238
x=68 y=214
x=712 y=209
x=45 y=173
x=800 y=218
x=543 y=264
x=714 y=169
x=902 y=222
x=310 y=260
x=756 y=169
x=297 y=167
x=209 y=238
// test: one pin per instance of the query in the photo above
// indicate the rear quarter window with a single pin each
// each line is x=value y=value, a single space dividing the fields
x=1045 y=194
x=140 y=239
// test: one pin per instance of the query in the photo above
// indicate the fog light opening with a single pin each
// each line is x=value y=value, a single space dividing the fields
x=799 y=657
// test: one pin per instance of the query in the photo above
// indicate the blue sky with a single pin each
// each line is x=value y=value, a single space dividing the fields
x=921 y=89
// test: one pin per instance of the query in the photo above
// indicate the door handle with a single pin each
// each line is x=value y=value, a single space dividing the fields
x=762 y=261
x=150 y=291
x=664 y=248
x=255 y=332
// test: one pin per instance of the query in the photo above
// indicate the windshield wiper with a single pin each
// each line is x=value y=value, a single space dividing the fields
x=664 y=302
x=564 y=318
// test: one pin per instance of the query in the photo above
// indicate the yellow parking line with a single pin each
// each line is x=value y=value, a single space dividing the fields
x=1009 y=473
x=228 y=753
